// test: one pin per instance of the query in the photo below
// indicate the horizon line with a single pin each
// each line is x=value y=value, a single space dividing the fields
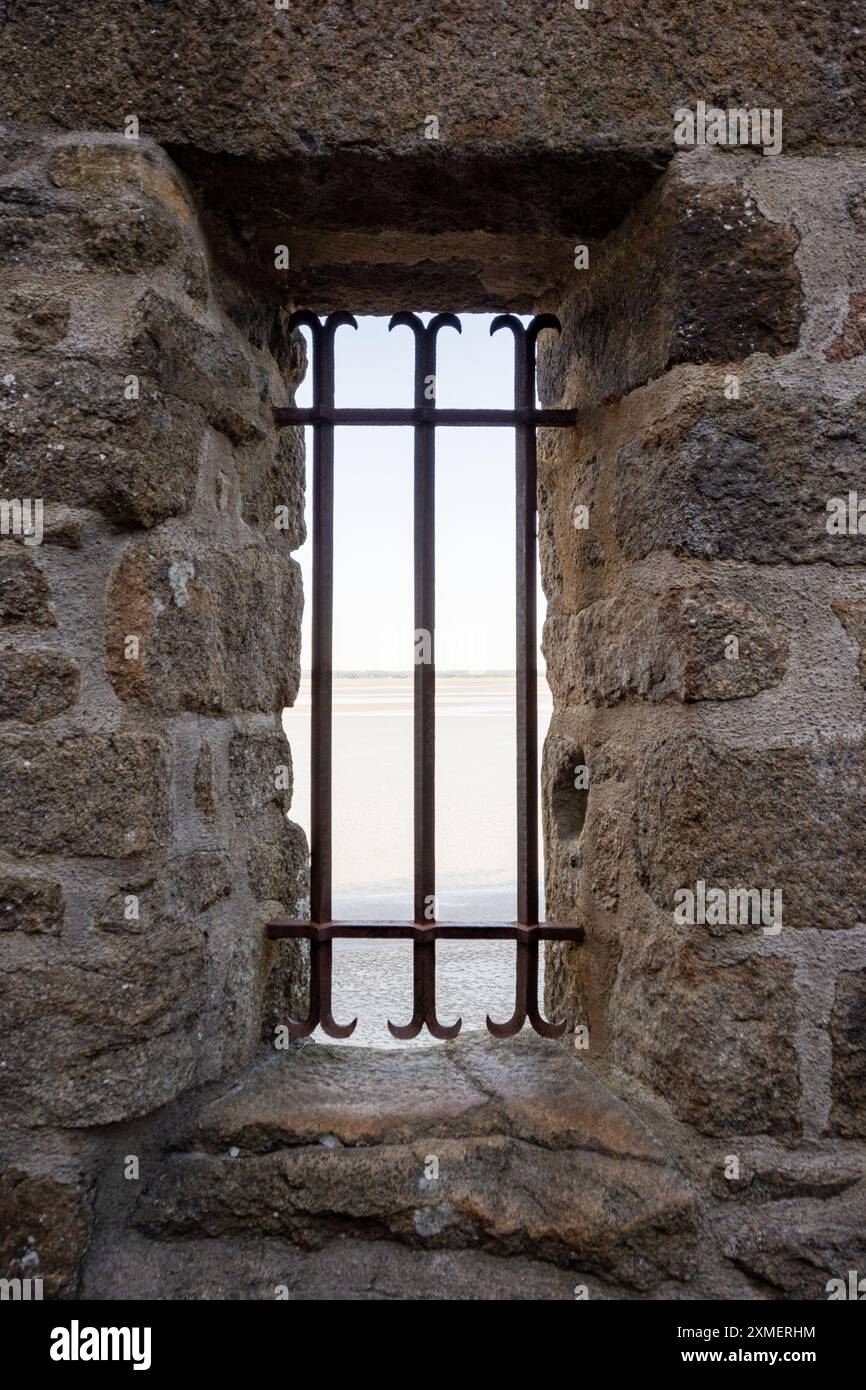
x=408 y=671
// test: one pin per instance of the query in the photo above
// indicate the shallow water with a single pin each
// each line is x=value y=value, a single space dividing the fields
x=475 y=832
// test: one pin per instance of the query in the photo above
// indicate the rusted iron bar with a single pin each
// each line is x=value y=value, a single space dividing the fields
x=526 y=987
x=321 y=674
x=319 y=1013
x=414 y=415
x=290 y=928
x=424 y=656
x=323 y=607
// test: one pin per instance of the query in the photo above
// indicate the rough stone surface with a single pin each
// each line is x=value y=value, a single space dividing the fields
x=200 y=613
x=765 y=1177
x=36 y=685
x=717 y=1041
x=65 y=526
x=24 y=592
x=260 y=1268
x=216 y=371
x=709 y=280
x=258 y=761
x=852 y=615
x=278 y=485
x=86 y=238
x=120 y=1015
x=745 y=480
x=70 y=435
x=137 y=962
x=277 y=868
x=105 y=204
x=44 y=1230
x=724 y=815
x=30 y=904
x=848 y=1035
x=852 y=340
x=250 y=82
x=668 y=646
x=91 y=795
x=192 y=885
x=797 y=1256
x=39 y=320
x=204 y=789
x=536 y=1160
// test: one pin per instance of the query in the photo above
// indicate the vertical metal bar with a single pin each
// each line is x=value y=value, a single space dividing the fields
x=322 y=632
x=323 y=612
x=425 y=623
x=527 y=673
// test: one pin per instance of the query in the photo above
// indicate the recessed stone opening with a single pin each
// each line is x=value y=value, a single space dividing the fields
x=714 y=349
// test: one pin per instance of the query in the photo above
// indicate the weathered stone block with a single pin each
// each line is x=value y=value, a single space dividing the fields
x=92 y=795
x=72 y=436
x=33 y=227
x=44 y=1229
x=107 y=204
x=717 y=1041
x=118 y=1025
x=774 y=818
x=277 y=869
x=214 y=370
x=24 y=592
x=63 y=526
x=704 y=273
x=852 y=340
x=189 y=886
x=219 y=629
x=666 y=646
x=30 y=905
x=273 y=493
x=799 y=1253
x=120 y=166
x=36 y=685
x=104 y=204
x=120 y=1016
x=535 y=1157
x=848 y=1034
x=39 y=319
x=127 y=236
x=852 y=615
x=744 y=480
x=764 y=1176
x=260 y=772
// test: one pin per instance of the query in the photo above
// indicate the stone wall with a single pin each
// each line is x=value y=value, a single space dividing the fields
x=716 y=356
x=147 y=647
x=715 y=350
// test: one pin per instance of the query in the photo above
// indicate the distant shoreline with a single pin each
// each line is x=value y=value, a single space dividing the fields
x=404 y=675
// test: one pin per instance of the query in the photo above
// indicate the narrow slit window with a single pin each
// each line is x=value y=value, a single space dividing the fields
x=424 y=416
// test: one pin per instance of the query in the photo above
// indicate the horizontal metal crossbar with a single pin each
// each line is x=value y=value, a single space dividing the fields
x=283 y=928
x=526 y=937
x=421 y=415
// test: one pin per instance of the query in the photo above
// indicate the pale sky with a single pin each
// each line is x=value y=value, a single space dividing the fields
x=373 y=619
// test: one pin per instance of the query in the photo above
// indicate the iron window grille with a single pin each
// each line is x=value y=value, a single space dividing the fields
x=424 y=931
